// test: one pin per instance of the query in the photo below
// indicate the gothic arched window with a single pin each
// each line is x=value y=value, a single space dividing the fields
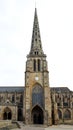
x=67 y=114
x=37 y=95
x=13 y=98
x=60 y=114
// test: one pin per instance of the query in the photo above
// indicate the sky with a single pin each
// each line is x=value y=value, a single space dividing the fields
x=56 y=28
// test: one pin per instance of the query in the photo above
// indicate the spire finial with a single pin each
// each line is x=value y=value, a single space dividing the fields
x=35 y=4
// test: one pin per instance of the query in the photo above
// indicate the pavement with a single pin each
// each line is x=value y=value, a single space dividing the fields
x=60 y=127
x=54 y=127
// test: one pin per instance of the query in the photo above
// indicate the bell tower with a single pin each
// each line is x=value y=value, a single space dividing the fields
x=37 y=100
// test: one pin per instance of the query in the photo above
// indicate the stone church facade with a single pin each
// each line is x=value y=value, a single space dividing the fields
x=37 y=102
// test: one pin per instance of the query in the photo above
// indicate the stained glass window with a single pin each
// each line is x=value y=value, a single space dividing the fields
x=37 y=96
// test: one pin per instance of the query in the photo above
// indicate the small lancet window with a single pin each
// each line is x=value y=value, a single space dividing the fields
x=34 y=65
x=36 y=52
x=36 y=40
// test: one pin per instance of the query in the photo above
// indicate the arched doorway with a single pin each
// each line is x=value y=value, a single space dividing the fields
x=7 y=115
x=53 y=122
x=20 y=114
x=37 y=115
x=67 y=114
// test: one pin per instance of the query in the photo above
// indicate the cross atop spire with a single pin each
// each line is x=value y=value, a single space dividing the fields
x=36 y=46
x=35 y=4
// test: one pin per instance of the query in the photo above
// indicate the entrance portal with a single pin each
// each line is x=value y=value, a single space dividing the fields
x=7 y=114
x=20 y=114
x=37 y=115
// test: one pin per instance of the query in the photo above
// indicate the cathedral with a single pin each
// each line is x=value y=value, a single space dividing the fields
x=36 y=102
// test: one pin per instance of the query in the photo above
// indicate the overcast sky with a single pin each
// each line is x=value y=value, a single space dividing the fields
x=56 y=27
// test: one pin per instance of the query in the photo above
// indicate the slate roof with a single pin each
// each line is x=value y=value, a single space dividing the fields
x=21 y=89
x=11 y=88
x=60 y=89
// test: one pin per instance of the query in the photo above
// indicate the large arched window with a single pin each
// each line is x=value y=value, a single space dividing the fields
x=34 y=65
x=37 y=95
x=60 y=114
x=39 y=65
x=67 y=114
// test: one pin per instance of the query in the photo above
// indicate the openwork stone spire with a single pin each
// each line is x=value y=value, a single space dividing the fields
x=36 y=46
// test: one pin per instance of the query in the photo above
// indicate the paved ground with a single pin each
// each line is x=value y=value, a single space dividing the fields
x=58 y=127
